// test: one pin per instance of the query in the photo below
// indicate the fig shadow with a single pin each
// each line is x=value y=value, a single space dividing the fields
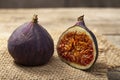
x=98 y=69
x=54 y=66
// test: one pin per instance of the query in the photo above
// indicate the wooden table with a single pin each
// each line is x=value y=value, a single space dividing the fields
x=105 y=21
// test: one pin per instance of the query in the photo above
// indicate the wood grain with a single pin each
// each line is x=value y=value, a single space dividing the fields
x=105 y=20
x=58 y=3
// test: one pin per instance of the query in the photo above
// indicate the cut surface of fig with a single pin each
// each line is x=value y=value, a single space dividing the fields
x=77 y=47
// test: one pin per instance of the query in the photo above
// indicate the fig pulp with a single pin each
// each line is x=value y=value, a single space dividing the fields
x=31 y=44
x=77 y=46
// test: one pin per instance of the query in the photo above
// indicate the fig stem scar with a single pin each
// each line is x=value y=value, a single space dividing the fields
x=35 y=18
x=80 y=18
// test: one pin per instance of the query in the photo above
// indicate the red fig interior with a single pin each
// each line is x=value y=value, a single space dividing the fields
x=77 y=47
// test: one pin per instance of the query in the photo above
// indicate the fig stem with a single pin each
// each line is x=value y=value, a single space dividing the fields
x=81 y=22
x=81 y=18
x=35 y=18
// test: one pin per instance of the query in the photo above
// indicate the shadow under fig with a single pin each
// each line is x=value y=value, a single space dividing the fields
x=98 y=69
x=48 y=69
x=54 y=66
x=114 y=73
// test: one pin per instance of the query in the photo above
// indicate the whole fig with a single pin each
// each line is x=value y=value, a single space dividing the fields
x=77 y=46
x=31 y=44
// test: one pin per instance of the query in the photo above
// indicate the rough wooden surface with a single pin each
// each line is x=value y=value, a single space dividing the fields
x=105 y=21
x=58 y=3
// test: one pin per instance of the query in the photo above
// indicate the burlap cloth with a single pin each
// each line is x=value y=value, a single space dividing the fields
x=57 y=70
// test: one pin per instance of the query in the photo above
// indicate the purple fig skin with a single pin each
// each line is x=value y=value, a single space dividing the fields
x=81 y=24
x=31 y=45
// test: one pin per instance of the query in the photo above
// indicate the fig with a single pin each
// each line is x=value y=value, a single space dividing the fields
x=30 y=44
x=77 y=46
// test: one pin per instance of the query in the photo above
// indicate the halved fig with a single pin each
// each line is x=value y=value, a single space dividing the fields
x=77 y=46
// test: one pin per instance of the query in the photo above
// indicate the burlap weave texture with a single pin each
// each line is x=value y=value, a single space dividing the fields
x=56 y=69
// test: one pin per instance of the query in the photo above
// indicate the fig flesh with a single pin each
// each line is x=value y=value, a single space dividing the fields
x=31 y=44
x=77 y=46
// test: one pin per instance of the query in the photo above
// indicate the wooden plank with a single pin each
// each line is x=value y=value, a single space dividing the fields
x=114 y=39
x=113 y=29
x=31 y=3
x=105 y=30
x=58 y=3
x=105 y=21
x=94 y=3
